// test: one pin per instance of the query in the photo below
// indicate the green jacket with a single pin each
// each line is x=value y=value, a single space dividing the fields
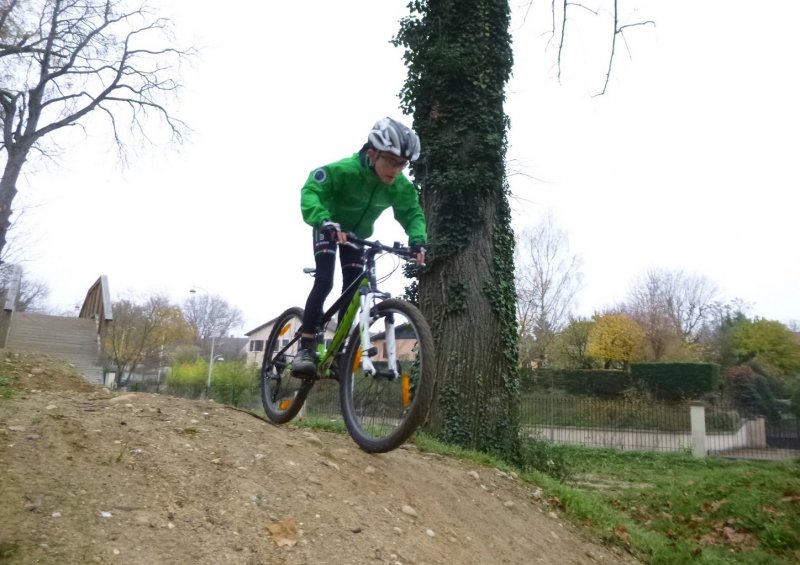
x=349 y=193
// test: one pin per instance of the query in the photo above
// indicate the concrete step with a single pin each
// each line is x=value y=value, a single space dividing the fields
x=72 y=339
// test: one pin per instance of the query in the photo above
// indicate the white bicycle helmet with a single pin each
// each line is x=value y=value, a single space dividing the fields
x=393 y=137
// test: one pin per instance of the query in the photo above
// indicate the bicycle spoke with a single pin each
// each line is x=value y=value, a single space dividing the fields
x=282 y=394
x=382 y=409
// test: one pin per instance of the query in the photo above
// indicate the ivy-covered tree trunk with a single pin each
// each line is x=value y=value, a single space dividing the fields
x=459 y=58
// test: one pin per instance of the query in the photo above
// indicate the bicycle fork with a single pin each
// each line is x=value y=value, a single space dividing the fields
x=367 y=350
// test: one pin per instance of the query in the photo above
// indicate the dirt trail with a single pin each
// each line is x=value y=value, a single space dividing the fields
x=87 y=476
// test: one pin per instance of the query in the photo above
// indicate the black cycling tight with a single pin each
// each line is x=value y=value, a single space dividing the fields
x=352 y=262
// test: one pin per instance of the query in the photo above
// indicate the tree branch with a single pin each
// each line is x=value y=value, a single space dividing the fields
x=618 y=30
x=80 y=56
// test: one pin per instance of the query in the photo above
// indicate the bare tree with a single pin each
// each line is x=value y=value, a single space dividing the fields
x=691 y=301
x=671 y=305
x=547 y=279
x=32 y=293
x=211 y=316
x=61 y=60
x=647 y=304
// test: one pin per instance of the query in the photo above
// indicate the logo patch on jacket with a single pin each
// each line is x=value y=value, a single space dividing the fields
x=320 y=175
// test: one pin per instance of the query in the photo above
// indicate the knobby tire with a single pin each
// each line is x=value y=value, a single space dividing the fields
x=282 y=394
x=374 y=419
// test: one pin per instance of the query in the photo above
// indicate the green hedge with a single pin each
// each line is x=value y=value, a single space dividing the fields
x=666 y=381
x=676 y=381
x=603 y=384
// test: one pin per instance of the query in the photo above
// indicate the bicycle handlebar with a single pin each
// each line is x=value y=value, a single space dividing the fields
x=397 y=249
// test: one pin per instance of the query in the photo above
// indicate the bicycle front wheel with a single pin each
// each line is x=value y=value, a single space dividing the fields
x=383 y=409
x=282 y=394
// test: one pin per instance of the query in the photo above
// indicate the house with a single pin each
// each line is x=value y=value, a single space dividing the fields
x=258 y=339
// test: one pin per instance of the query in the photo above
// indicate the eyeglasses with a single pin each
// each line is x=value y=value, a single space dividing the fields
x=393 y=162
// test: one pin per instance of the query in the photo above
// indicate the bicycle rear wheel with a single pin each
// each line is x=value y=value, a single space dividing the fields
x=282 y=394
x=382 y=410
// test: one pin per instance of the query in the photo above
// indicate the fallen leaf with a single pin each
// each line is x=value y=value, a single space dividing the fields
x=737 y=538
x=622 y=533
x=769 y=509
x=712 y=506
x=284 y=533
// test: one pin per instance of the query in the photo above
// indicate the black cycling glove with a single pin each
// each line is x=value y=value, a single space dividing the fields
x=418 y=248
x=329 y=229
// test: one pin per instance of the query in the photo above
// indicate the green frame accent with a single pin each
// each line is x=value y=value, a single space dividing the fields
x=342 y=331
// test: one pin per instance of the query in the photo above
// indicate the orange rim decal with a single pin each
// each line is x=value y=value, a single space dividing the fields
x=285 y=404
x=406 y=390
x=285 y=329
x=357 y=360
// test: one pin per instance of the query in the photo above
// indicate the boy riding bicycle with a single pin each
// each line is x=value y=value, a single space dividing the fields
x=349 y=196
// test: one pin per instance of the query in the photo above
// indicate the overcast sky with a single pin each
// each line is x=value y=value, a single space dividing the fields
x=689 y=161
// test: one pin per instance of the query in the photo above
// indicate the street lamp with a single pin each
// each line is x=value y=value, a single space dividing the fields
x=210 y=364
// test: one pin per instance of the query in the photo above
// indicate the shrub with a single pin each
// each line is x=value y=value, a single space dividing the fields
x=545 y=457
x=795 y=407
x=676 y=381
x=233 y=381
x=750 y=392
x=718 y=420
x=188 y=379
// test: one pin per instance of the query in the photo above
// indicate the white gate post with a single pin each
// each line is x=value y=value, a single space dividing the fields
x=697 y=416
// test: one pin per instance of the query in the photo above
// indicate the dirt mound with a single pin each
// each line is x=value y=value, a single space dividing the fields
x=25 y=371
x=94 y=477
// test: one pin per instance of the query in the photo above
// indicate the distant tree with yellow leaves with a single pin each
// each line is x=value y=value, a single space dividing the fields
x=615 y=340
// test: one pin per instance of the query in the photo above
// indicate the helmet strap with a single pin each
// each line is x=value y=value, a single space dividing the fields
x=372 y=156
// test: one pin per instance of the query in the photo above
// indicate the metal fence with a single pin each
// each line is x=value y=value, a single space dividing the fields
x=630 y=424
x=639 y=424
x=618 y=423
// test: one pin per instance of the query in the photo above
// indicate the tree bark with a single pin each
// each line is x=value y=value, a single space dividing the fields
x=475 y=405
x=8 y=190
x=459 y=58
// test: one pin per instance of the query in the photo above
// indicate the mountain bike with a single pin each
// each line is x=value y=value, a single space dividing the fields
x=381 y=353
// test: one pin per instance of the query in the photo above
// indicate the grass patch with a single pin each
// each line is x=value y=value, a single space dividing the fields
x=7 y=379
x=703 y=509
x=8 y=550
x=316 y=423
x=670 y=508
x=5 y=387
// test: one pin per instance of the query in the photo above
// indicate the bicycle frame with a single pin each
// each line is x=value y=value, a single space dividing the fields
x=360 y=296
